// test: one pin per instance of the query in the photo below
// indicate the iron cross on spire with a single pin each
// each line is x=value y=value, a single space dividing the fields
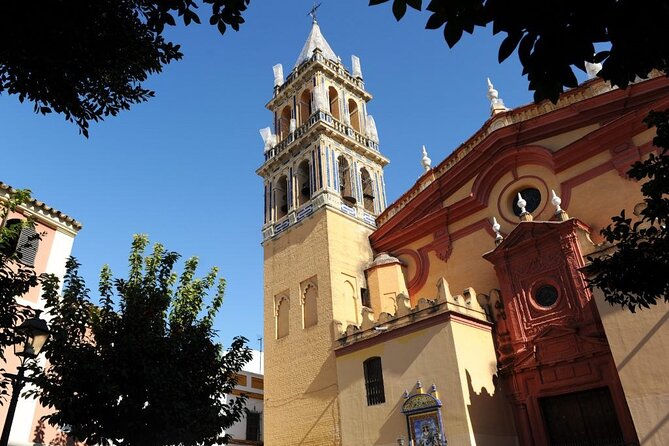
x=312 y=13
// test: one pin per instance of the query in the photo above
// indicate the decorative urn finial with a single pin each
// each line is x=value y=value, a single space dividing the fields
x=559 y=212
x=426 y=161
x=592 y=69
x=496 y=227
x=496 y=104
x=434 y=392
x=524 y=215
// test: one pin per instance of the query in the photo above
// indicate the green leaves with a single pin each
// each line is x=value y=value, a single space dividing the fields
x=635 y=275
x=142 y=369
x=87 y=60
x=553 y=37
x=400 y=6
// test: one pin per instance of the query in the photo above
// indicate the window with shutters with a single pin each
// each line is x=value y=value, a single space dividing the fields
x=252 y=426
x=20 y=239
x=374 y=381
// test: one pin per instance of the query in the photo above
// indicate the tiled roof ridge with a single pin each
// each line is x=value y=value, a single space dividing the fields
x=48 y=210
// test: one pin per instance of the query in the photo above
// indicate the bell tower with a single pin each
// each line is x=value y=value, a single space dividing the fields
x=323 y=188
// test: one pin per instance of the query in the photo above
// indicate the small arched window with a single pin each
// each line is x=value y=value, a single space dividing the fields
x=345 y=189
x=367 y=190
x=281 y=197
x=334 y=103
x=374 y=381
x=305 y=106
x=284 y=122
x=309 y=302
x=20 y=239
x=303 y=183
x=354 y=115
x=282 y=316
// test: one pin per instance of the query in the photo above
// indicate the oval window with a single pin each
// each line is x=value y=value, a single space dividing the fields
x=546 y=295
x=533 y=198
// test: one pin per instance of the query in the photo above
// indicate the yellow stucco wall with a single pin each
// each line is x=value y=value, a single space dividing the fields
x=641 y=353
x=301 y=406
x=457 y=358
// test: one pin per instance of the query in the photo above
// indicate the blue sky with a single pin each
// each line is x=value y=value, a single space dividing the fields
x=181 y=168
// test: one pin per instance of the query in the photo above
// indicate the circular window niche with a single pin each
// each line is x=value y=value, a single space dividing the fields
x=546 y=296
x=531 y=195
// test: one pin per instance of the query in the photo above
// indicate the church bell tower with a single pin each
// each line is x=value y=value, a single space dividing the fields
x=323 y=188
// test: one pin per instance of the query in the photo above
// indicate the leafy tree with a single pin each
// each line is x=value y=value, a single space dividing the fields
x=636 y=274
x=551 y=37
x=87 y=59
x=142 y=368
x=16 y=279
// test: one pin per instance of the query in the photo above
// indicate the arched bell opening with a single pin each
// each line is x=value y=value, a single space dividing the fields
x=334 y=103
x=345 y=181
x=305 y=106
x=303 y=183
x=354 y=114
x=284 y=122
x=367 y=190
x=281 y=192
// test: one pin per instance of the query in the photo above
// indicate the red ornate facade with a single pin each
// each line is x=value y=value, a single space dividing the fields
x=554 y=358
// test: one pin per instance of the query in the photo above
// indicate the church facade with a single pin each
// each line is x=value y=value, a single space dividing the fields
x=460 y=312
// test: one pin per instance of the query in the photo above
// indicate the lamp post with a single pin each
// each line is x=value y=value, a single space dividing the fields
x=33 y=333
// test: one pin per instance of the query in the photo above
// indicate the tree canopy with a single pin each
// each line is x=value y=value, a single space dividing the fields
x=636 y=274
x=142 y=368
x=87 y=59
x=551 y=37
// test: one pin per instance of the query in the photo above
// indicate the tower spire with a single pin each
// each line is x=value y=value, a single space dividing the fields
x=315 y=41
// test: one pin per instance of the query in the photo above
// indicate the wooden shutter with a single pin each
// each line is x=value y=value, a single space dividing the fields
x=26 y=248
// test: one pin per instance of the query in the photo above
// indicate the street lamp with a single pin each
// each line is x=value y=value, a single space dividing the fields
x=33 y=334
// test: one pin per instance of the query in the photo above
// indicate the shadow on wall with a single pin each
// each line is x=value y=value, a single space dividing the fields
x=395 y=425
x=643 y=341
x=490 y=415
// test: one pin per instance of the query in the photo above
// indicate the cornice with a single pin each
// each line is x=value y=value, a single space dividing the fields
x=43 y=212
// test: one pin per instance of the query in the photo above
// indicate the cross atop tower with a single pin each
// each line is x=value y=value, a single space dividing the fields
x=312 y=13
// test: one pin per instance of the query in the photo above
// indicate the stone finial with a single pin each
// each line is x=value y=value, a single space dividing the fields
x=405 y=395
x=403 y=304
x=592 y=69
x=278 y=75
x=496 y=227
x=269 y=139
x=419 y=387
x=372 y=132
x=367 y=318
x=443 y=291
x=559 y=212
x=355 y=64
x=524 y=215
x=293 y=125
x=426 y=161
x=496 y=104
x=434 y=391
x=557 y=201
